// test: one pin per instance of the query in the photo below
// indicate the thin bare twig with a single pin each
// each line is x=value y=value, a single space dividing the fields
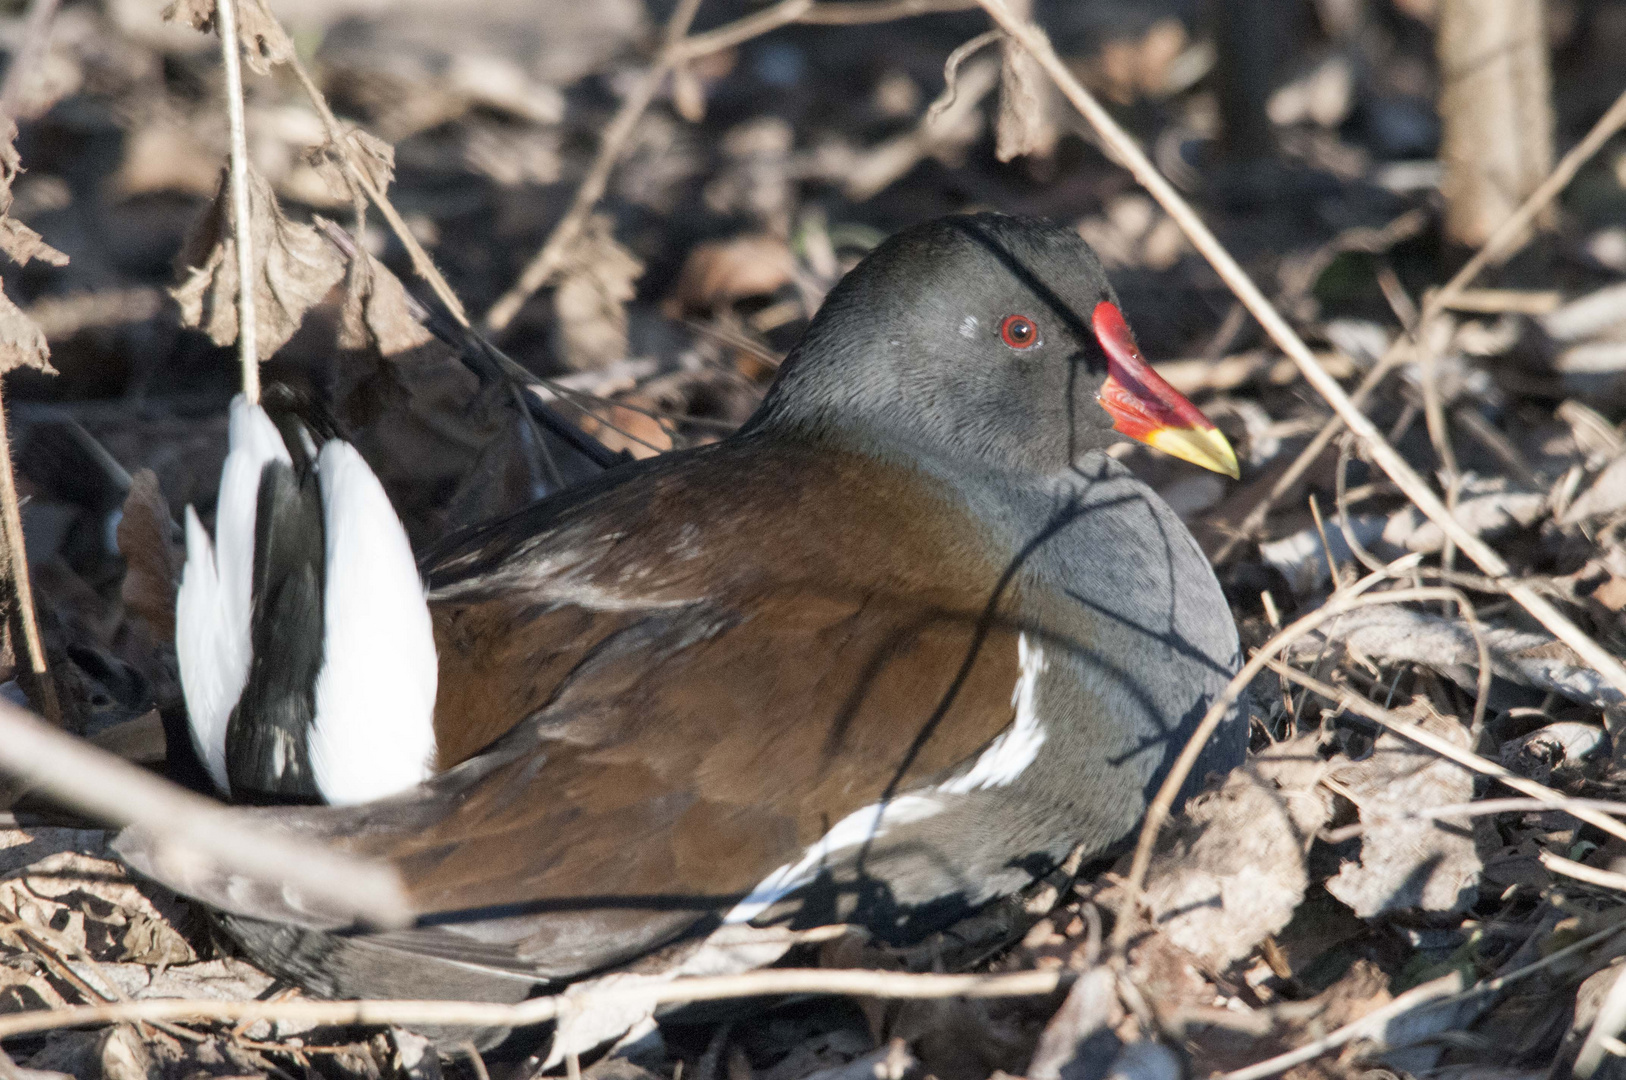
x=1470 y=615
x=1478 y=808
x=248 y=347
x=858 y=12
x=1512 y=233
x=1592 y=875
x=1255 y=520
x=16 y=555
x=951 y=74
x=191 y=827
x=1506 y=239
x=1415 y=488
x=859 y=983
x=1447 y=986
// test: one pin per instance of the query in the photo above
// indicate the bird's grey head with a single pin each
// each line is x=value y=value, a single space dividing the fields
x=983 y=337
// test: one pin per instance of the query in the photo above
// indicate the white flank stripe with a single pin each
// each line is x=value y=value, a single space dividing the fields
x=858 y=827
x=375 y=696
x=212 y=643
x=1008 y=756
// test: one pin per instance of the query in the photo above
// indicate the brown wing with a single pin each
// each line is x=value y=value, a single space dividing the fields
x=690 y=676
x=689 y=753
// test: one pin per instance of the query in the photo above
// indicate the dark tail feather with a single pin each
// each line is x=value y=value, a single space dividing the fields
x=267 y=737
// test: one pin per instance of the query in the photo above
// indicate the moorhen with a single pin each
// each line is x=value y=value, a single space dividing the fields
x=896 y=647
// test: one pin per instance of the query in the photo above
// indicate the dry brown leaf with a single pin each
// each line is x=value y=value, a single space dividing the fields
x=1406 y=863
x=23 y=244
x=295 y=268
x=17 y=239
x=719 y=272
x=597 y=281
x=1081 y=1029
x=112 y=1053
x=376 y=313
x=22 y=342
x=372 y=155
x=1025 y=125
x=265 y=43
x=90 y=905
x=152 y=558
x=1234 y=870
x=621 y=428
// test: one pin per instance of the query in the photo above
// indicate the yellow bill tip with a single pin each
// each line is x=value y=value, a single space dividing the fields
x=1206 y=447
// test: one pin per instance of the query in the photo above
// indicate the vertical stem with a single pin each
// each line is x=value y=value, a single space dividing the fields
x=11 y=532
x=248 y=347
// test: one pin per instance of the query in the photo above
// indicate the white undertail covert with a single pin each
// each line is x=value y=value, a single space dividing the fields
x=373 y=733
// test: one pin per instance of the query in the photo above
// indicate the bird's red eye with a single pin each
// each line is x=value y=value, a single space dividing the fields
x=1018 y=331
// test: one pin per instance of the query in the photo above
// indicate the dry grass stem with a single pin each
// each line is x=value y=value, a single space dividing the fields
x=894 y=985
x=16 y=558
x=860 y=12
x=248 y=350
x=1373 y=1021
x=1478 y=808
x=1604 y=879
x=1508 y=237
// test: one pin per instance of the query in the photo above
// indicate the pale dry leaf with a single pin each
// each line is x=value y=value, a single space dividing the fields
x=152 y=557
x=264 y=41
x=373 y=156
x=590 y=302
x=1082 y=1029
x=1025 y=125
x=199 y=14
x=376 y=312
x=1390 y=634
x=17 y=239
x=370 y=154
x=1405 y=863
x=719 y=272
x=630 y=429
x=22 y=342
x=91 y=904
x=1233 y=870
x=23 y=990
x=23 y=244
x=1567 y=745
x=111 y=1053
x=294 y=267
